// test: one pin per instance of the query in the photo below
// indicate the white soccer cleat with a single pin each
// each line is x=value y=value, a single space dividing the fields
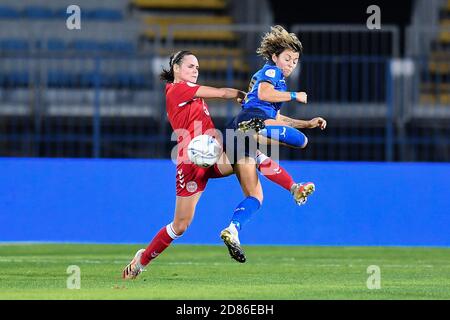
x=231 y=239
x=134 y=268
x=301 y=191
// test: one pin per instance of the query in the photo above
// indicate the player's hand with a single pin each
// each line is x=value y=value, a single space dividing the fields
x=241 y=96
x=318 y=122
x=302 y=97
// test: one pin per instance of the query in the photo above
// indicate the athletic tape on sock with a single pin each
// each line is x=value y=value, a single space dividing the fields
x=171 y=232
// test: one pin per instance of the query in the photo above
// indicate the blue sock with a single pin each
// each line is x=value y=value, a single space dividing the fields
x=287 y=135
x=244 y=211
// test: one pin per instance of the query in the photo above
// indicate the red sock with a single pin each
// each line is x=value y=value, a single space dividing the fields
x=274 y=172
x=160 y=242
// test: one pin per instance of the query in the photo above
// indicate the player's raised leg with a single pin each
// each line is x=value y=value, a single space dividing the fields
x=277 y=174
x=284 y=135
x=184 y=214
x=273 y=171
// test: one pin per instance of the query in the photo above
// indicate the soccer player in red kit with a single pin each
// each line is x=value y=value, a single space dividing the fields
x=189 y=117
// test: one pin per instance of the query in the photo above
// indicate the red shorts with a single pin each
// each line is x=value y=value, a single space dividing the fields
x=191 y=179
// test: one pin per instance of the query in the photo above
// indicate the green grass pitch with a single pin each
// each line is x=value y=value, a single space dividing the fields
x=39 y=271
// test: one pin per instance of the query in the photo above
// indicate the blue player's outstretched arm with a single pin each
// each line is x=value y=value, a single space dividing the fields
x=284 y=130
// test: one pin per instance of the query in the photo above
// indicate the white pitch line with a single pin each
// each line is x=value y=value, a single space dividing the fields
x=89 y=261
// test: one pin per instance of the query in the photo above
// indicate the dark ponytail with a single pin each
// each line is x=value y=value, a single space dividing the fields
x=176 y=58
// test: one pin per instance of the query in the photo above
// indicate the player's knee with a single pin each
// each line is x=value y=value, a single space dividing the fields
x=305 y=143
x=180 y=226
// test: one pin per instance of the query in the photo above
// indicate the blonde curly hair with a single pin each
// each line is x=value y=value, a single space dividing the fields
x=278 y=40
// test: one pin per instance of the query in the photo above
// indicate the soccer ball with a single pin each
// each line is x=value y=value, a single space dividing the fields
x=204 y=150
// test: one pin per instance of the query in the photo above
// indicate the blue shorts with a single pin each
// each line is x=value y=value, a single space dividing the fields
x=245 y=115
x=241 y=150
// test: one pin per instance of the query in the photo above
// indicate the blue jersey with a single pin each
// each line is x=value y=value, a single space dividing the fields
x=269 y=73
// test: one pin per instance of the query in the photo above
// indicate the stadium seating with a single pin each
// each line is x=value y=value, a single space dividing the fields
x=14 y=79
x=196 y=30
x=37 y=12
x=31 y=27
x=106 y=31
x=165 y=22
x=14 y=44
x=7 y=12
x=42 y=12
x=60 y=75
x=104 y=14
x=435 y=86
x=177 y=5
x=205 y=34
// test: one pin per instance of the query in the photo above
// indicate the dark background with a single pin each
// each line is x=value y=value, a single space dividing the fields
x=288 y=13
x=346 y=12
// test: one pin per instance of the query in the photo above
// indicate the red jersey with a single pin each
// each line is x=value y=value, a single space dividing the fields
x=188 y=116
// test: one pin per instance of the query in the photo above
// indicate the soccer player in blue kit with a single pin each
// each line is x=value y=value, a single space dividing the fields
x=261 y=114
